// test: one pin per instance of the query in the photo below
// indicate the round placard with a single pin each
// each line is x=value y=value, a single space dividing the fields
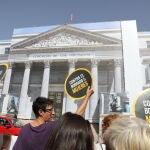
x=77 y=83
x=141 y=105
x=3 y=68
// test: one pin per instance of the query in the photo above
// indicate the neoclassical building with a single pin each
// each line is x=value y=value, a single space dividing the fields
x=40 y=59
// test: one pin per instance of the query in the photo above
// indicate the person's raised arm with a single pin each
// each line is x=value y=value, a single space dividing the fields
x=81 y=109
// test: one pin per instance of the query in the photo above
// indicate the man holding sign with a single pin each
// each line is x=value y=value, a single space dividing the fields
x=35 y=134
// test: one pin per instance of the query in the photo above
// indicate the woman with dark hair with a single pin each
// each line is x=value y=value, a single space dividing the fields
x=72 y=132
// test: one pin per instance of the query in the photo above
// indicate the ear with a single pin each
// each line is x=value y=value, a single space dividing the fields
x=41 y=112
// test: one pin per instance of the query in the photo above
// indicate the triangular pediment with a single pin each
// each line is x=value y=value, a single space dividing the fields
x=64 y=36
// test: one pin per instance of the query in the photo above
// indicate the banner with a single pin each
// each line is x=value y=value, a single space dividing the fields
x=141 y=105
x=77 y=83
x=3 y=68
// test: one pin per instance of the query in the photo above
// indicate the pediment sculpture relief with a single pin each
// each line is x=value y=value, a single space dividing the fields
x=64 y=39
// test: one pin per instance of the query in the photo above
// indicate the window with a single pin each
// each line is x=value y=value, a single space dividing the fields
x=7 y=50
x=147 y=74
x=148 y=44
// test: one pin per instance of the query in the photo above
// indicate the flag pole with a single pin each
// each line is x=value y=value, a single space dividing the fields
x=71 y=18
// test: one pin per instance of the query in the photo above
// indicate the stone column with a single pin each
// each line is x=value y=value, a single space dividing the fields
x=45 y=82
x=24 y=91
x=7 y=79
x=70 y=104
x=72 y=64
x=93 y=106
x=147 y=74
x=117 y=75
x=6 y=88
x=64 y=103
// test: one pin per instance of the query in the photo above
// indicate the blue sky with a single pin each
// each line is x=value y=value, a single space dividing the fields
x=35 y=13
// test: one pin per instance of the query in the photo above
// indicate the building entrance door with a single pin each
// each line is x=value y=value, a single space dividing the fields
x=57 y=98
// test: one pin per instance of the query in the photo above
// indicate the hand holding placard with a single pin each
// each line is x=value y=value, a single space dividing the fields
x=89 y=92
x=82 y=107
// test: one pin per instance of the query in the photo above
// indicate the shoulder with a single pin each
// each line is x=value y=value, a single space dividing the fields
x=25 y=128
x=51 y=124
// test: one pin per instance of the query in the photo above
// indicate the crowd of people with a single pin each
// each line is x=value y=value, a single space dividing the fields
x=73 y=132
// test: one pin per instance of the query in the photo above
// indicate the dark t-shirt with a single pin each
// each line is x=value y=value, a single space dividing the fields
x=33 y=138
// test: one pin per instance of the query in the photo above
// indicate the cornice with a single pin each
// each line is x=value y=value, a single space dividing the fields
x=144 y=52
x=24 y=36
x=144 y=35
x=65 y=49
x=3 y=55
x=146 y=86
x=117 y=62
x=146 y=60
x=48 y=57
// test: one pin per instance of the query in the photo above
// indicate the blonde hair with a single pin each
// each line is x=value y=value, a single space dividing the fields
x=127 y=134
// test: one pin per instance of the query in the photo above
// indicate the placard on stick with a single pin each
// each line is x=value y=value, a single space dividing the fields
x=77 y=82
x=141 y=105
x=3 y=68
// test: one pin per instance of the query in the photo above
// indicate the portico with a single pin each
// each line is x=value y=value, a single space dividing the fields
x=46 y=59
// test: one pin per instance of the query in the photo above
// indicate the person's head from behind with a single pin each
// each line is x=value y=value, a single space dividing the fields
x=72 y=132
x=43 y=107
x=127 y=134
x=106 y=122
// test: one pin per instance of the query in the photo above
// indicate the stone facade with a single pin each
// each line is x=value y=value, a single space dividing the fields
x=39 y=62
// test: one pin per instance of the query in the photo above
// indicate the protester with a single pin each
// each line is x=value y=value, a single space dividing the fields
x=34 y=135
x=106 y=122
x=7 y=138
x=127 y=134
x=72 y=132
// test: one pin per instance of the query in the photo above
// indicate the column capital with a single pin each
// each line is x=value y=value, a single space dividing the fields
x=72 y=62
x=117 y=62
x=28 y=64
x=10 y=65
x=47 y=63
x=94 y=62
